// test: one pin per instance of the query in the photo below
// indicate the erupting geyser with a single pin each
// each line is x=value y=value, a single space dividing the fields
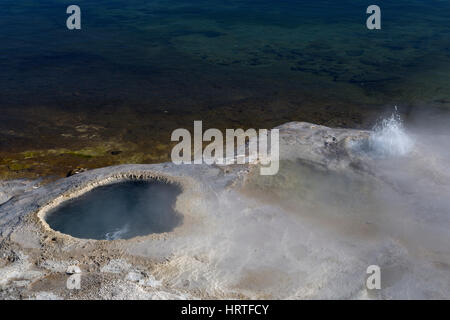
x=388 y=139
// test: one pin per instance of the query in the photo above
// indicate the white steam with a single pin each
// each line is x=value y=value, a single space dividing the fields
x=312 y=230
x=117 y=234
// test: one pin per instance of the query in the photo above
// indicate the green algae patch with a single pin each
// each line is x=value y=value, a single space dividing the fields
x=18 y=166
x=84 y=153
x=56 y=163
x=80 y=154
x=30 y=155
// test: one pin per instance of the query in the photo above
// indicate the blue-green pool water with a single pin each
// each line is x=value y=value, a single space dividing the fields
x=119 y=211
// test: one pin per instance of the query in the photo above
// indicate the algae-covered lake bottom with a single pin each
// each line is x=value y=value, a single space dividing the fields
x=114 y=91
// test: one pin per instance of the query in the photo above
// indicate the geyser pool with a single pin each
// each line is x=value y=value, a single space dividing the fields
x=121 y=210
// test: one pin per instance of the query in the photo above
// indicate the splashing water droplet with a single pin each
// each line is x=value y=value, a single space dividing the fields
x=389 y=137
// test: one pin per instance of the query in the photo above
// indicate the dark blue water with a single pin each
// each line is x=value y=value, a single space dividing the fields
x=127 y=45
x=143 y=68
x=119 y=211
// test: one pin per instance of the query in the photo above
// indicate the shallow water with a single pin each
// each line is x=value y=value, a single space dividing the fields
x=119 y=211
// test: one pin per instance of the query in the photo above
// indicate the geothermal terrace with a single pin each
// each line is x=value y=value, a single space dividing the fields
x=343 y=200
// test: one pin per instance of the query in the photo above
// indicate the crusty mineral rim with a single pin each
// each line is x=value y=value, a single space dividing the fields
x=188 y=193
